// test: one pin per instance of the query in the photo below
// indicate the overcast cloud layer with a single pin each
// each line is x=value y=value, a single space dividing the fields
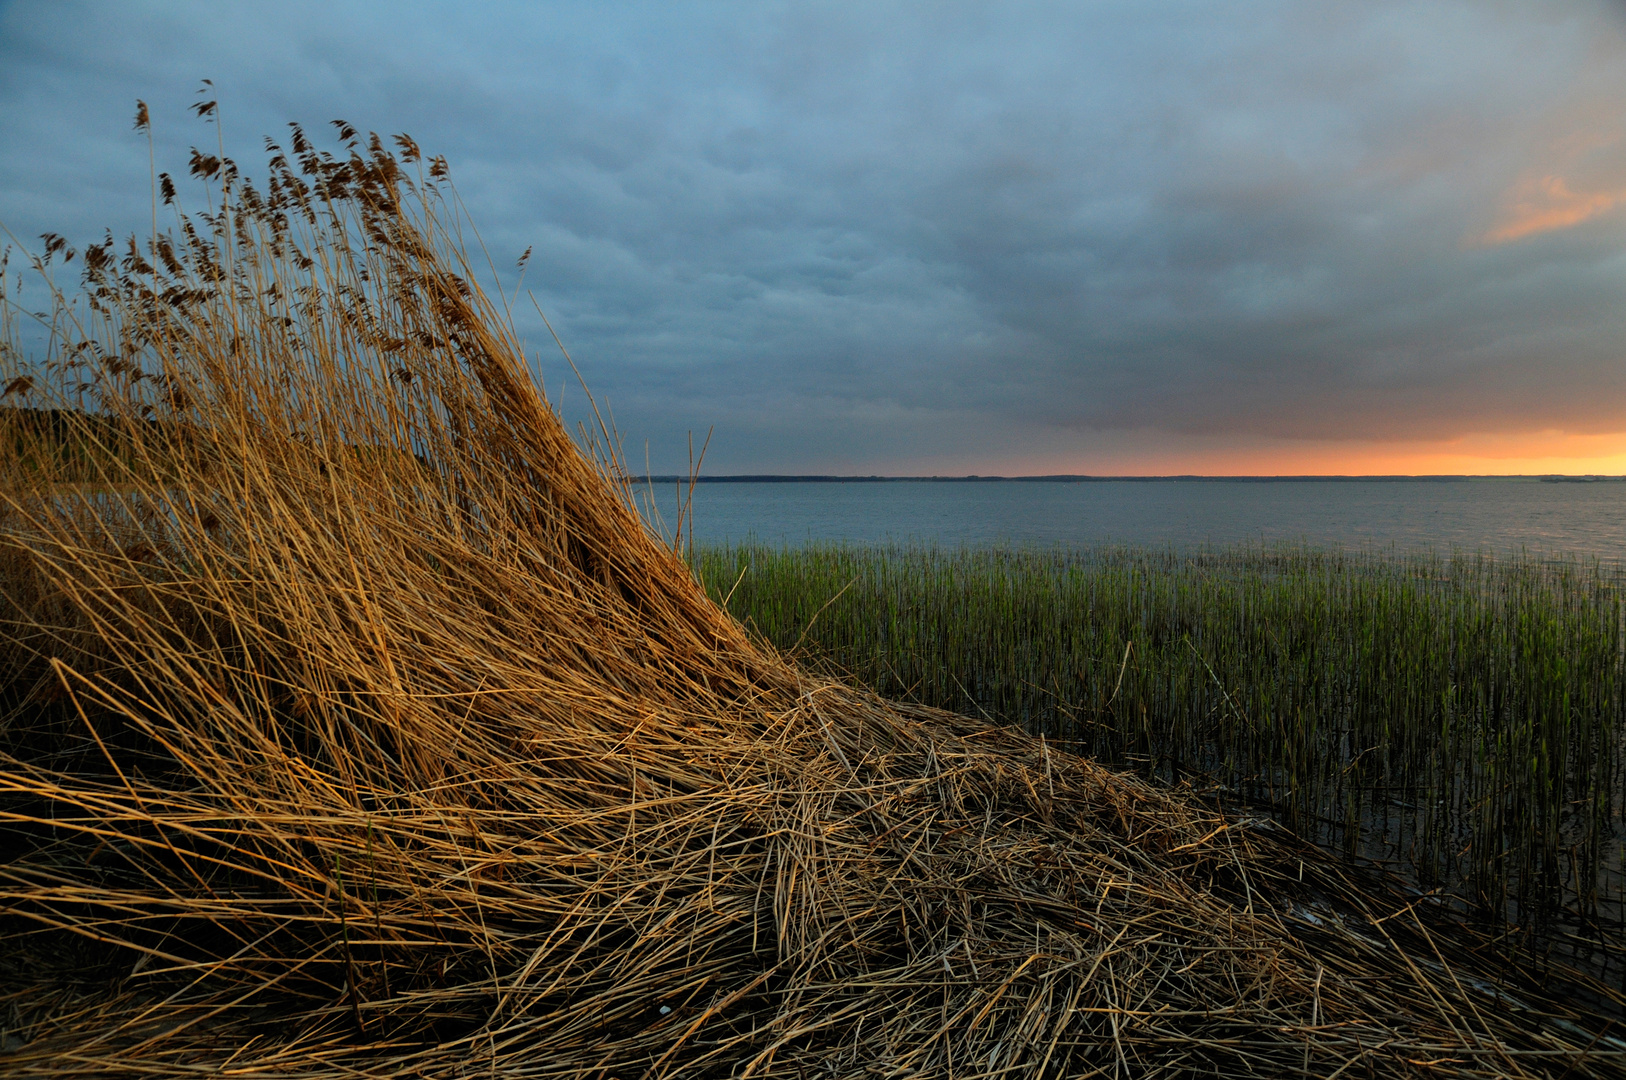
x=946 y=238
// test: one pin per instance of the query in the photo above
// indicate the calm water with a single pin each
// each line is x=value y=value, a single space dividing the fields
x=1501 y=516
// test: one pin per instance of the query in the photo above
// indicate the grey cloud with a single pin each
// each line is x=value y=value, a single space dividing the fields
x=855 y=235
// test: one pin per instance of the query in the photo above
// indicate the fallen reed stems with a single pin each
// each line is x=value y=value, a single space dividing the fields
x=356 y=726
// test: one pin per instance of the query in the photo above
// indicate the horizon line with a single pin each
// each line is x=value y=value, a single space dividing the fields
x=1073 y=478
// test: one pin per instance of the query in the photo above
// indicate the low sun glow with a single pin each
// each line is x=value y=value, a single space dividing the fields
x=1537 y=453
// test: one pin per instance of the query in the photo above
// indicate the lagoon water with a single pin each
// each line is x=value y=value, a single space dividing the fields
x=1499 y=516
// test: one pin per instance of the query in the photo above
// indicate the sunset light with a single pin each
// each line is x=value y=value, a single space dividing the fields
x=1548 y=204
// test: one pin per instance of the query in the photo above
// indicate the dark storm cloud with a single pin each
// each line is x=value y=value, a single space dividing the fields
x=850 y=235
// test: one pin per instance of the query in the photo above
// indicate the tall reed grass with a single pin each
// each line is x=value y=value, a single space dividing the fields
x=1459 y=714
x=355 y=726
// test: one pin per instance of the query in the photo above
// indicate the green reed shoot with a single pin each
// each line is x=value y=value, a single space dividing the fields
x=1458 y=715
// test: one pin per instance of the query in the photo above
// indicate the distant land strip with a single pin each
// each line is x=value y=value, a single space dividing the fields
x=796 y=478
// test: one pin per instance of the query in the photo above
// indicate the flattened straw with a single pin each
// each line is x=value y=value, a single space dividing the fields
x=603 y=831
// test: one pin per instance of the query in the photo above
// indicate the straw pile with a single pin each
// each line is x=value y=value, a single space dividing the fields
x=357 y=727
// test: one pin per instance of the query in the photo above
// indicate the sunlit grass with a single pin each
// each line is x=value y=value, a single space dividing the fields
x=353 y=724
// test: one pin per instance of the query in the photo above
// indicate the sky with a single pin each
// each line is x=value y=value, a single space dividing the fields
x=1119 y=238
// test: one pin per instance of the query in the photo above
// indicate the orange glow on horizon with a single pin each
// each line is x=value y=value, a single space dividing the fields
x=1545 y=453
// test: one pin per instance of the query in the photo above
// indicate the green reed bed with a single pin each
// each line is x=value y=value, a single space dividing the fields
x=1459 y=716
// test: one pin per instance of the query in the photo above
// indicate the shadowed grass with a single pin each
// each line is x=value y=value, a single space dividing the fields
x=1460 y=715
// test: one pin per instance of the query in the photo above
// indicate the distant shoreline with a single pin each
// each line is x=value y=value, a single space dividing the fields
x=782 y=478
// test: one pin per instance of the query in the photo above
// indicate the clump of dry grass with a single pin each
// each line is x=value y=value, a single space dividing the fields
x=358 y=727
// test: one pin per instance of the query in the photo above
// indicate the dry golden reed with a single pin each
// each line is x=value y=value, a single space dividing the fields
x=356 y=726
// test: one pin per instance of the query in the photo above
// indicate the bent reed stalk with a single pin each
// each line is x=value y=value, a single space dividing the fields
x=356 y=726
